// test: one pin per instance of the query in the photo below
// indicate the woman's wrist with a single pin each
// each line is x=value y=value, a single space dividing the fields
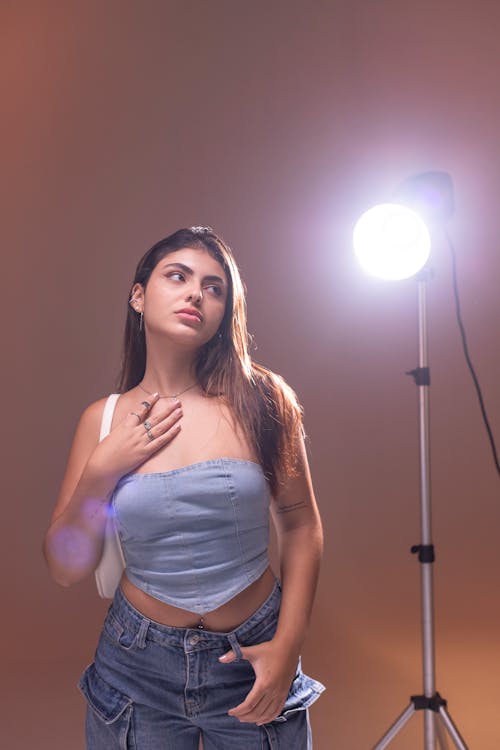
x=288 y=642
x=96 y=482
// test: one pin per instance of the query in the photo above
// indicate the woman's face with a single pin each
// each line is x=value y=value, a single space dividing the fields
x=185 y=297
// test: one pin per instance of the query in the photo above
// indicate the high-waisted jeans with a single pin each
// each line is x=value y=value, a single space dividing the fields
x=156 y=687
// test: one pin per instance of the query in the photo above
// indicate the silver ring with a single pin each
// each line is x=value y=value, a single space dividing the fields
x=136 y=415
x=147 y=425
x=146 y=404
x=150 y=435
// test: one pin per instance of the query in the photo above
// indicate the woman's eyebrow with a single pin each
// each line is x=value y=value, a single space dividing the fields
x=190 y=272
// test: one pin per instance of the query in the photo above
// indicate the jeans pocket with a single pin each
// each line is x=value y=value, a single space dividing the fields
x=303 y=692
x=108 y=703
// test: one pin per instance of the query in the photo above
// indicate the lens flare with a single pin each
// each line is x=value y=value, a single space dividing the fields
x=71 y=548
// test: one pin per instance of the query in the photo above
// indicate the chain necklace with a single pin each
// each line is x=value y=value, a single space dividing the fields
x=174 y=396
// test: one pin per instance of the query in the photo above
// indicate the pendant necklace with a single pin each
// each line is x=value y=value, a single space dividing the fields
x=174 y=396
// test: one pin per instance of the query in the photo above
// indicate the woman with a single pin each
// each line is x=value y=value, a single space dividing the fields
x=201 y=637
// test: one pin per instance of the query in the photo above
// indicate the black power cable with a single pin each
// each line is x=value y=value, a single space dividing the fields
x=467 y=355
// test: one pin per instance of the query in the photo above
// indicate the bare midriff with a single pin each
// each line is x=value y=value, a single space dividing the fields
x=223 y=619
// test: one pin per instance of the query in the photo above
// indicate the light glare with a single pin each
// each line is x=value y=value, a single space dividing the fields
x=391 y=241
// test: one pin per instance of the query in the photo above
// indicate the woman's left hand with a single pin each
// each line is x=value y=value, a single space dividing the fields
x=275 y=668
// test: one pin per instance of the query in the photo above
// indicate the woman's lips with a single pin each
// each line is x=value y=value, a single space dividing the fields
x=192 y=317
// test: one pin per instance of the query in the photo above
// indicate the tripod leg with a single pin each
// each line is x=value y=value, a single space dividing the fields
x=441 y=737
x=453 y=731
x=394 y=729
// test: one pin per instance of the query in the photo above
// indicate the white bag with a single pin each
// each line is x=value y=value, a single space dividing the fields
x=112 y=563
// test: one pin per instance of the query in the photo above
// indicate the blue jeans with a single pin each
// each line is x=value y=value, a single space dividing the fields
x=156 y=687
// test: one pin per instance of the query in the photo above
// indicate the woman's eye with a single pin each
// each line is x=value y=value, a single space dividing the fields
x=176 y=275
x=215 y=289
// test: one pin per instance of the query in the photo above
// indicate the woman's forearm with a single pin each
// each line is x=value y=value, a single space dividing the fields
x=73 y=543
x=301 y=550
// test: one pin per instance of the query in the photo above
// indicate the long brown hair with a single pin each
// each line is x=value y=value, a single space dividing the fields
x=260 y=401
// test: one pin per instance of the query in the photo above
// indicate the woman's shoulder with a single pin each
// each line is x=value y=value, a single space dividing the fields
x=125 y=401
x=91 y=416
x=95 y=409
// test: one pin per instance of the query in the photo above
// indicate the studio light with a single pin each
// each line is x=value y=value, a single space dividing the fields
x=391 y=241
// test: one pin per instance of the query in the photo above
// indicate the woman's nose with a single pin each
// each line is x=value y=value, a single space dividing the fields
x=195 y=296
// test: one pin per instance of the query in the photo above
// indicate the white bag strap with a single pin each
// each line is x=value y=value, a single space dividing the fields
x=107 y=415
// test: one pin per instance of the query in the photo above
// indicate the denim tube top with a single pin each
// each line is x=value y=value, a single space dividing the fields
x=196 y=536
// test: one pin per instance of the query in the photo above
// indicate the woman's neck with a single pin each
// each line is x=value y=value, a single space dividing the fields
x=169 y=375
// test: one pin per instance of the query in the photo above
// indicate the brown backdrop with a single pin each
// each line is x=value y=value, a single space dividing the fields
x=276 y=122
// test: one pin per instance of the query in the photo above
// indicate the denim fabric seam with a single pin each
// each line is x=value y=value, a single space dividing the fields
x=234 y=500
x=189 y=556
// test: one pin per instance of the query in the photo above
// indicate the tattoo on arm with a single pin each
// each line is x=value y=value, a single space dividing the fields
x=292 y=506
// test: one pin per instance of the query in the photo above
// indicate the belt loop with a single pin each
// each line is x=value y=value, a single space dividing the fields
x=235 y=646
x=142 y=633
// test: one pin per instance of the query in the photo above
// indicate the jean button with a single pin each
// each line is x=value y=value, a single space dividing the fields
x=193 y=640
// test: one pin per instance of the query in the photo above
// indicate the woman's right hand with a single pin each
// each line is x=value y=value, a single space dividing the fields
x=137 y=437
x=74 y=539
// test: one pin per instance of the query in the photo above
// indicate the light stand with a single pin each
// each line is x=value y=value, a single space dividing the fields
x=436 y=716
x=392 y=242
